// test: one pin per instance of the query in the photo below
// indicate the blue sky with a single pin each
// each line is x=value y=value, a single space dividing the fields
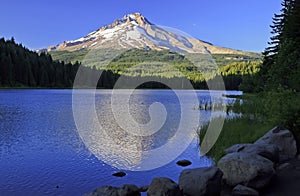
x=238 y=24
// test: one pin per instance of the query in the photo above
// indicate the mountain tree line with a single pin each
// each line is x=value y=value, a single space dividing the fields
x=281 y=61
x=20 y=67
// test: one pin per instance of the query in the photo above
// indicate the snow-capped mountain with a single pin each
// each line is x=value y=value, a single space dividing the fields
x=135 y=31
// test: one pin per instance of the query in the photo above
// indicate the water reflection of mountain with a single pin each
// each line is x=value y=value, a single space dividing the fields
x=124 y=149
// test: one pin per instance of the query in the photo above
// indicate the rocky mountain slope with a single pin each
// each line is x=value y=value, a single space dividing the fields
x=135 y=31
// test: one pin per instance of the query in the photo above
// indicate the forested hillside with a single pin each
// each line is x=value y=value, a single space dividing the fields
x=152 y=63
x=20 y=67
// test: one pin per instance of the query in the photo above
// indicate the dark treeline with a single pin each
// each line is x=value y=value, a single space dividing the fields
x=20 y=67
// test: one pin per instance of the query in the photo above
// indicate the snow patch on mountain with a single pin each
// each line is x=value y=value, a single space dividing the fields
x=135 y=31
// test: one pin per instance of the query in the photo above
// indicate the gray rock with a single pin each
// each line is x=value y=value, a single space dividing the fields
x=105 y=191
x=201 y=181
x=163 y=187
x=284 y=166
x=129 y=190
x=248 y=169
x=184 y=163
x=266 y=150
x=143 y=188
x=125 y=190
x=241 y=190
x=283 y=139
x=235 y=148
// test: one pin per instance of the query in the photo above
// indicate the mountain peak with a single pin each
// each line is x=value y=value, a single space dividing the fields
x=132 y=19
x=133 y=30
x=136 y=17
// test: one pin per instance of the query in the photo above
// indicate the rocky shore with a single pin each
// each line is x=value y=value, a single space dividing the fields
x=245 y=169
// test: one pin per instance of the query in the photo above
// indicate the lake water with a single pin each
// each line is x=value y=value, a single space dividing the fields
x=42 y=152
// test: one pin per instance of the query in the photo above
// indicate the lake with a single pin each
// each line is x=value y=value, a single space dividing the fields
x=43 y=152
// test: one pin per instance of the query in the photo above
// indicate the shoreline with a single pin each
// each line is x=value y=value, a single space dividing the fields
x=245 y=169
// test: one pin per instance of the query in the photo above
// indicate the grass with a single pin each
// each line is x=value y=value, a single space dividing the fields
x=260 y=112
x=235 y=131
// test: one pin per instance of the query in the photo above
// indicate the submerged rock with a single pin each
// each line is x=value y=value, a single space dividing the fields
x=163 y=187
x=119 y=174
x=248 y=169
x=201 y=181
x=184 y=163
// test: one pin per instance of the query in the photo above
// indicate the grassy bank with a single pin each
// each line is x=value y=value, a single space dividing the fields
x=236 y=131
x=260 y=113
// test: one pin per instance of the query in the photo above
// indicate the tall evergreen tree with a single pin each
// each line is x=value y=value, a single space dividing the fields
x=280 y=67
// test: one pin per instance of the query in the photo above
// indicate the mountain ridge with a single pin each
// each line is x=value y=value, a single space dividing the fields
x=135 y=31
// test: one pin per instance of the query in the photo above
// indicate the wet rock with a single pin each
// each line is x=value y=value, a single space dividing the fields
x=283 y=139
x=250 y=170
x=201 y=181
x=119 y=174
x=163 y=187
x=184 y=163
x=241 y=190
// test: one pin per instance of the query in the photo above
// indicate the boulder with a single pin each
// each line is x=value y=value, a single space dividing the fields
x=105 y=191
x=184 y=163
x=283 y=166
x=143 y=188
x=235 y=148
x=129 y=190
x=201 y=181
x=240 y=190
x=163 y=187
x=283 y=139
x=125 y=190
x=248 y=169
x=266 y=150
